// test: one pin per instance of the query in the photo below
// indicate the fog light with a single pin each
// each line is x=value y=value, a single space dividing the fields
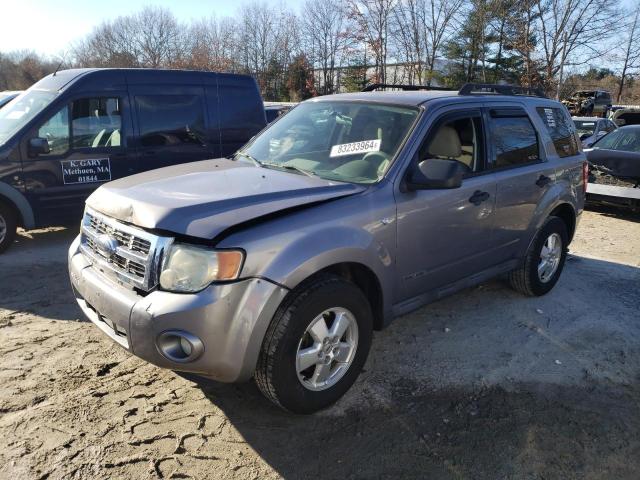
x=179 y=346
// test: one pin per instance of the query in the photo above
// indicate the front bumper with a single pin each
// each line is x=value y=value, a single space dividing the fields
x=229 y=319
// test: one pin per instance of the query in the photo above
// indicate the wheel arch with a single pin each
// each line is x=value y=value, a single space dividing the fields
x=567 y=214
x=18 y=201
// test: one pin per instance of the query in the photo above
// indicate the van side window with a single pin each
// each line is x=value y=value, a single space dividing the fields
x=56 y=131
x=560 y=130
x=514 y=138
x=457 y=139
x=167 y=120
x=95 y=122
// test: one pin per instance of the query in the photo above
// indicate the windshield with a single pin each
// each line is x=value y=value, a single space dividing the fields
x=346 y=141
x=620 y=139
x=584 y=94
x=20 y=110
x=585 y=128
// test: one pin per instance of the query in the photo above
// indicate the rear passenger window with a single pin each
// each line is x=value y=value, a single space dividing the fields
x=95 y=122
x=514 y=138
x=167 y=120
x=560 y=128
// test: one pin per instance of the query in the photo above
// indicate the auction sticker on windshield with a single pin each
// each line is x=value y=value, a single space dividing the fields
x=88 y=170
x=365 y=146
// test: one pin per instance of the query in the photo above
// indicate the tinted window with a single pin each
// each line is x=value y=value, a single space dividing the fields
x=56 y=131
x=167 y=120
x=514 y=138
x=560 y=128
x=458 y=139
x=96 y=122
x=625 y=139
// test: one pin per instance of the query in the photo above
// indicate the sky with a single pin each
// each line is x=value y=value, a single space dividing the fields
x=49 y=26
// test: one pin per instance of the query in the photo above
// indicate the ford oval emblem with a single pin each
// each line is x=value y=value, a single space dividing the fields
x=106 y=244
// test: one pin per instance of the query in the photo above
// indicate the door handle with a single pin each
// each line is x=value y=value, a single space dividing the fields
x=149 y=153
x=478 y=197
x=543 y=181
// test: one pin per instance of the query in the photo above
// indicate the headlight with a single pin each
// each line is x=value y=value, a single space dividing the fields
x=189 y=268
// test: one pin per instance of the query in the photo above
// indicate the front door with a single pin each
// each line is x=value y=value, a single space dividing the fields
x=88 y=147
x=443 y=235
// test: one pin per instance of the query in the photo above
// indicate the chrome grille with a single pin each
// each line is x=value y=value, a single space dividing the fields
x=126 y=253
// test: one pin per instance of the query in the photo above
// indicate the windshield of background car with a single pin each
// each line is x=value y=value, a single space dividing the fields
x=20 y=110
x=620 y=139
x=585 y=128
x=345 y=141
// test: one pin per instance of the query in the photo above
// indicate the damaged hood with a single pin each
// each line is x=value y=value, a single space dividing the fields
x=617 y=162
x=202 y=199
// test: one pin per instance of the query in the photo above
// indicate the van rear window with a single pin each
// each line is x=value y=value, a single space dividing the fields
x=561 y=130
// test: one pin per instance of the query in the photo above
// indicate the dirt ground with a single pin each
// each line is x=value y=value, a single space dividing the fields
x=485 y=384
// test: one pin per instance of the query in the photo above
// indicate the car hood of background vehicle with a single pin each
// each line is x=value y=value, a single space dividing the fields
x=619 y=163
x=202 y=199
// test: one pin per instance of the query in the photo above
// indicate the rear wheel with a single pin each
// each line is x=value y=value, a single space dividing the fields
x=316 y=345
x=8 y=226
x=544 y=261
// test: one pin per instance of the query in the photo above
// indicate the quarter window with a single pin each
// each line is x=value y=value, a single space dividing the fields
x=560 y=128
x=514 y=139
x=167 y=120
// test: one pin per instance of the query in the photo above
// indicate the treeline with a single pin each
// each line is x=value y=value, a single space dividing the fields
x=342 y=45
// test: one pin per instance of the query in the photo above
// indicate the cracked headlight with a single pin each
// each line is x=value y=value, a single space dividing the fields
x=190 y=268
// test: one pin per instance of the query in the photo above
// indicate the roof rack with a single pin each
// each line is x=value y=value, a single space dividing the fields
x=482 y=88
x=378 y=86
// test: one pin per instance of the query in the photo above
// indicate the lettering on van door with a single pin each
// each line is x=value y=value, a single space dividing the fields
x=88 y=170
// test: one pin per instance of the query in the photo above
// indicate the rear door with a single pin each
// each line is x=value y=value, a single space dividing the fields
x=88 y=144
x=523 y=175
x=171 y=125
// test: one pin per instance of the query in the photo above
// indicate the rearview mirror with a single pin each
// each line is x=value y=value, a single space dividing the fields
x=435 y=173
x=38 y=146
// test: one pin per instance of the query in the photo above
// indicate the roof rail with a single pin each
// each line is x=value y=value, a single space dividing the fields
x=377 y=86
x=481 y=88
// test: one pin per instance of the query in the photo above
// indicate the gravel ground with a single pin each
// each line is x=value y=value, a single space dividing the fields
x=485 y=384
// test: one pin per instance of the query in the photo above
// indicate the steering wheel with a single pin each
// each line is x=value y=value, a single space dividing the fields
x=381 y=158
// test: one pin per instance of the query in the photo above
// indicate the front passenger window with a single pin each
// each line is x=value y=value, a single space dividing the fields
x=56 y=131
x=96 y=122
x=459 y=139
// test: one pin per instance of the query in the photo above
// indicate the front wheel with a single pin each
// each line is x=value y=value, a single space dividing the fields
x=8 y=226
x=316 y=345
x=544 y=261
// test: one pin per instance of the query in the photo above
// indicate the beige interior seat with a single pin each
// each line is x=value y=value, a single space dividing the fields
x=445 y=144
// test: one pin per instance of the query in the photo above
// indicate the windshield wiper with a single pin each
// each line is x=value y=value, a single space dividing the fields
x=257 y=163
x=290 y=167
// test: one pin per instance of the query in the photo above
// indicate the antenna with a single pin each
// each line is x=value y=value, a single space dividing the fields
x=60 y=64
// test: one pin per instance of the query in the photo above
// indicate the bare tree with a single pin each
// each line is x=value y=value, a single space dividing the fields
x=373 y=20
x=572 y=32
x=323 y=28
x=631 y=52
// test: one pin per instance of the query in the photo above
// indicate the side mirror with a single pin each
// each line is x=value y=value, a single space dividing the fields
x=435 y=173
x=39 y=146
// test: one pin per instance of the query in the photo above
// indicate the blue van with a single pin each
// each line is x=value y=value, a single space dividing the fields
x=76 y=129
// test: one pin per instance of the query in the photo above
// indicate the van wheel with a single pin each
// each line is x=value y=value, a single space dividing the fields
x=8 y=226
x=316 y=345
x=544 y=261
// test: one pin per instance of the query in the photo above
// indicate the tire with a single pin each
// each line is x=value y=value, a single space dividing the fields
x=527 y=279
x=8 y=226
x=277 y=373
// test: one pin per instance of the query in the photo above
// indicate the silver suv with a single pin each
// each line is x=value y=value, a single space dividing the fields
x=350 y=210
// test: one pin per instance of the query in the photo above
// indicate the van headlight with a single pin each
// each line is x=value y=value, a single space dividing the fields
x=189 y=268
